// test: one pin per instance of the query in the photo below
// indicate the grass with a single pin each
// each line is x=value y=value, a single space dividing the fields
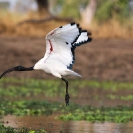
x=21 y=97
x=119 y=114
x=4 y=129
x=113 y=29
x=110 y=29
x=33 y=107
x=19 y=89
x=9 y=25
x=24 y=88
x=124 y=98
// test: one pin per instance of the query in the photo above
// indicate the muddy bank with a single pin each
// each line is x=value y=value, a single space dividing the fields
x=50 y=124
x=102 y=59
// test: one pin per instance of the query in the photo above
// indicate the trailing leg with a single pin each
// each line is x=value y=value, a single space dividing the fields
x=67 y=97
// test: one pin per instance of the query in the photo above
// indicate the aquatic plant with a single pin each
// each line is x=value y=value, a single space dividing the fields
x=4 y=129
x=74 y=112
x=120 y=114
x=13 y=91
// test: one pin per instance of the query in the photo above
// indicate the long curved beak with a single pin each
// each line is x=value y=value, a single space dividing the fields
x=17 y=68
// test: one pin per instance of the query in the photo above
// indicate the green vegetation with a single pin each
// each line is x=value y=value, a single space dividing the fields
x=12 y=88
x=24 y=88
x=27 y=108
x=19 y=89
x=38 y=92
x=70 y=8
x=34 y=107
x=4 y=129
x=74 y=112
x=106 y=9
x=112 y=19
x=118 y=114
x=124 y=98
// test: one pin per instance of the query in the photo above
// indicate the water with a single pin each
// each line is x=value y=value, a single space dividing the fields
x=52 y=125
x=93 y=96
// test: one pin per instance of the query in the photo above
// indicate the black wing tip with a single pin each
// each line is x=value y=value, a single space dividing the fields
x=70 y=66
x=84 y=42
x=73 y=23
x=80 y=30
x=84 y=31
x=89 y=39
x=88 y=32
x=77 y=25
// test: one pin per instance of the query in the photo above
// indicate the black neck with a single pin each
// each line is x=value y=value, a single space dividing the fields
x=17 y=68
x=21 y=68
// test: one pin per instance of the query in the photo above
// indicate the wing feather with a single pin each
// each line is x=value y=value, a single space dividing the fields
x=62 y=41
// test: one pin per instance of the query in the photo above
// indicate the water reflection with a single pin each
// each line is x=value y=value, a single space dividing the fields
x=52 y=125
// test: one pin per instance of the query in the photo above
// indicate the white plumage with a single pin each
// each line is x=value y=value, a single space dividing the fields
x=60 y=45
x=60 y=56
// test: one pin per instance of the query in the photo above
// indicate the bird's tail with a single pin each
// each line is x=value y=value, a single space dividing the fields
x=72 y=73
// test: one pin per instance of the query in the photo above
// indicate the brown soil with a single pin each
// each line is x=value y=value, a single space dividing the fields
x=102 y=59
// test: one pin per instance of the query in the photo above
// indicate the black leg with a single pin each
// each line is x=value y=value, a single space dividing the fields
x=67 y=97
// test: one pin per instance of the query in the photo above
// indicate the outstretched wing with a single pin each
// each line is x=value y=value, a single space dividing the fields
x=62 y=41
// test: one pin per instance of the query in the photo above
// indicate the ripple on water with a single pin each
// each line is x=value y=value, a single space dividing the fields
x=50 y=124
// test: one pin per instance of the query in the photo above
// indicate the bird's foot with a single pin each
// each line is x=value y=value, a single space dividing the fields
x=67 y=97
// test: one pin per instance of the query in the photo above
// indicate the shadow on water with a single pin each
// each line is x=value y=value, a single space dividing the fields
x=52 y=125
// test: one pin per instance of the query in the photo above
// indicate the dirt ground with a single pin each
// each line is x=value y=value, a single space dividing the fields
x=102 y=59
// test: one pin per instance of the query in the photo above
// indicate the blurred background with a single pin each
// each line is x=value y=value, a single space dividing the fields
x=104 y=93
x=105 y=18
x=24 y=25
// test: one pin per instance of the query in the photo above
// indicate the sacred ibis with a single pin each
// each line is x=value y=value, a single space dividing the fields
x=60 y=53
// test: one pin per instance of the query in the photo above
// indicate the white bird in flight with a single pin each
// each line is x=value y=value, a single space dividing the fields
x=60 y=53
